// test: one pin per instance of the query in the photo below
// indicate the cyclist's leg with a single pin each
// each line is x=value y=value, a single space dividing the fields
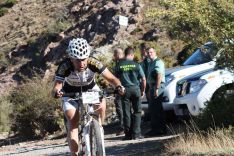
x=72 y=115
x=102 y=107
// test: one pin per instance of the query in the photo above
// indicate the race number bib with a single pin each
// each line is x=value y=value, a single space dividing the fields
x=90 y=97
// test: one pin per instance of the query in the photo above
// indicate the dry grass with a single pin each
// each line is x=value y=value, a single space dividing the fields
x=214 y=142
x=5 y=111
x=35 y=112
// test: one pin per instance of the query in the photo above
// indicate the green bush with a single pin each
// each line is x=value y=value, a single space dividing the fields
x=219 y=112
x=169 y=61
x=7 y=3
x=5 y=111
x=4 y=5
x=35 y=112
x=3 y=11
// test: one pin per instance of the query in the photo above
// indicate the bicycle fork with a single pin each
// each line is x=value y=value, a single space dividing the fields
x=86 y=138
x=102 y=137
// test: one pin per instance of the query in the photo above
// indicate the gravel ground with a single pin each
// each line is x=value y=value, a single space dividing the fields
x=114 y=146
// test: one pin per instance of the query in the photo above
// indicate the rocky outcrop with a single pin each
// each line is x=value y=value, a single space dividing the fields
x=97 y=21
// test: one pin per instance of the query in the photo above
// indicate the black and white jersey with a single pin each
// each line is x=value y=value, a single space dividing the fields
x=75 y=81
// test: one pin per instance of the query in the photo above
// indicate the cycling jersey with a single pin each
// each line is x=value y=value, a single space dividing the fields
x=75 y=81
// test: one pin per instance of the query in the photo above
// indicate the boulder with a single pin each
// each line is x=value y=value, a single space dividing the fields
x=151 y=35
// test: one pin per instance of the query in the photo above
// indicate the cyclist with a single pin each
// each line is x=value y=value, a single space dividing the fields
x=77 y=74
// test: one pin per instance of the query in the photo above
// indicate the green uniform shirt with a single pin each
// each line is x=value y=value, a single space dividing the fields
x=155 y=66
x=145 y=64
x=129 y=72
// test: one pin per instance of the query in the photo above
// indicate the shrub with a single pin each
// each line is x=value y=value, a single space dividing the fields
x=7 y=3
x=4 y=5
x=219 y=111
x=169 y=61
x=5 y=111
x=35 y=112
x=213 y=142
x=3 y=11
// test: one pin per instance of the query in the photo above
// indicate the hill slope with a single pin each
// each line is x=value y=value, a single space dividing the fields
x=34 y=34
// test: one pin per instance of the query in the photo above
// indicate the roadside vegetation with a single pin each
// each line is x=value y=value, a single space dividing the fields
x=5 y=5
x=35 y=113
x=196 y=142
x=195 y=23
x=219 y=112
x=5 y=111
x=211 y=133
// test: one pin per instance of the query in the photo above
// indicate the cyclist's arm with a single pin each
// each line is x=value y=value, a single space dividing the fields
x=57 y=88
x=98 y=67
x=111 y=78
x=62 y=72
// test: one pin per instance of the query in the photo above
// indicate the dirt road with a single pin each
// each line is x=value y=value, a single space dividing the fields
x=114 y=145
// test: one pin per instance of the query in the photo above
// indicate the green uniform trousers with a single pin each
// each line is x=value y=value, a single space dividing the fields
x=156 y=111
x=119 y=111
x=131 y=104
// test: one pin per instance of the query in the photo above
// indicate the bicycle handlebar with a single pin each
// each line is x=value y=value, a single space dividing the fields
x=103 y=93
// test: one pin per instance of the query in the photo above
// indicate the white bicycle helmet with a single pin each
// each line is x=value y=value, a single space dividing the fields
x=78 y=48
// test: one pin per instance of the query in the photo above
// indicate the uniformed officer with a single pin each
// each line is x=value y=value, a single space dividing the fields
x=145 y=61
x=129 y=73
x=118 y=55
x=156 y=80
x=144 y=58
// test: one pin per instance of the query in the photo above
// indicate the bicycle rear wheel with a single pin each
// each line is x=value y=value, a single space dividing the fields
x=96 y=139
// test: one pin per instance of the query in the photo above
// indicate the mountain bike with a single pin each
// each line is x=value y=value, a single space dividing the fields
x=91 y=133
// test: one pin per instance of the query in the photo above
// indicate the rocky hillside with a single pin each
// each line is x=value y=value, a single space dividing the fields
x=22 y=25
x=34 y=34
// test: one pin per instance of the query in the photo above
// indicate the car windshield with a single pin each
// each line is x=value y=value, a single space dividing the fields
x=201 y=55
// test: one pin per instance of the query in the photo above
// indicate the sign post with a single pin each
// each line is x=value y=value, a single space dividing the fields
x=123 y=20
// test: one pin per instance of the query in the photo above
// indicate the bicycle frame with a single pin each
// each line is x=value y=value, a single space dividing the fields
x=85 y=138
x=87 y=115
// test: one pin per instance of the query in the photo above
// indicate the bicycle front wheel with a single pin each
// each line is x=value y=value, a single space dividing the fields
x=96 y=139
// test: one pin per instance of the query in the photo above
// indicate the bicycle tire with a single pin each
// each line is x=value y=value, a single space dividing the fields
x=82 y=147
x=96 y=143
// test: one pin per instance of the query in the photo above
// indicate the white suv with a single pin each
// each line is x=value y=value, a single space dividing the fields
x=201 y=60
x=194 y=91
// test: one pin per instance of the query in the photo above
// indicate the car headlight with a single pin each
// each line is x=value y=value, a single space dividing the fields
x=169 y=78
x=197 y=85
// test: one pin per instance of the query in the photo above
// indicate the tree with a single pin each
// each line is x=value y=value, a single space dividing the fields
x=198 y=21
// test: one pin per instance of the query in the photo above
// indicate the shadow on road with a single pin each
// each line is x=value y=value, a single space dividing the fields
x=146 y=148
x=60 y=154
